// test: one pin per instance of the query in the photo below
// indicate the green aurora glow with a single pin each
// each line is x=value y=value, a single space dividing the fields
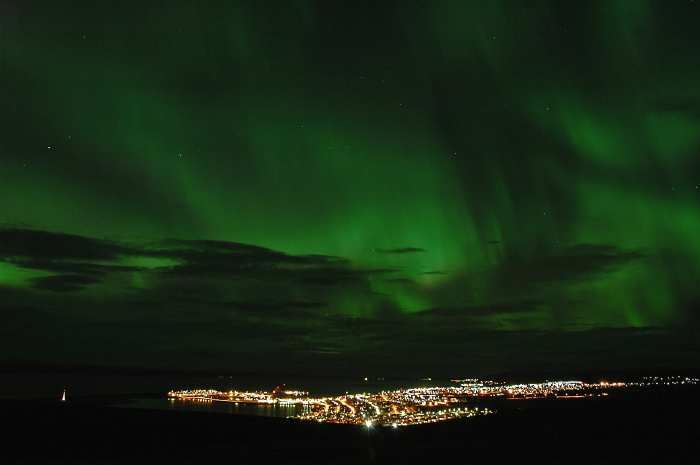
x=490 y=170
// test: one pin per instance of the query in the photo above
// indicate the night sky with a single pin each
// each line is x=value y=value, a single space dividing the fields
x=394 y=187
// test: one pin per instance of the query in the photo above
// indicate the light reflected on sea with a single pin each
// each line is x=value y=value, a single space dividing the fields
x=264 y=410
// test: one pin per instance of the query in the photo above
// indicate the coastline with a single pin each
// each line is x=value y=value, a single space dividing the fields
x=633 y=428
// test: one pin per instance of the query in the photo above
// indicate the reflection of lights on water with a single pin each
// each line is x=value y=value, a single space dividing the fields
x=394 y=426
x=368 y=423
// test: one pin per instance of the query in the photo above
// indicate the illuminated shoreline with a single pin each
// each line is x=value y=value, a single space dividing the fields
x=414 y=406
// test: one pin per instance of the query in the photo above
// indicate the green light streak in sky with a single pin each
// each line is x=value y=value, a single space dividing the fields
x=16 y=277
x=467 y=133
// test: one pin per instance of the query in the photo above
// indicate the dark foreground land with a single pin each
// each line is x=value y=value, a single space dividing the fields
x=637 y=428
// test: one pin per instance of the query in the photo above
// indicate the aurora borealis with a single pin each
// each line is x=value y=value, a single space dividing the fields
x=309 y=185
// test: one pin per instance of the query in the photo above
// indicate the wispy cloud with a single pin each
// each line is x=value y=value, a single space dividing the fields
x=400 y=250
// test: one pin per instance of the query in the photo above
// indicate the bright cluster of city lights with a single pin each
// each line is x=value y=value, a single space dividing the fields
x=533 y=390
x=665 y=381
x=416 y=406
x=277 y=396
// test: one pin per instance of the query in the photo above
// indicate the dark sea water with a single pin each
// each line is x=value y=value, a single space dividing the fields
x=51 y=385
